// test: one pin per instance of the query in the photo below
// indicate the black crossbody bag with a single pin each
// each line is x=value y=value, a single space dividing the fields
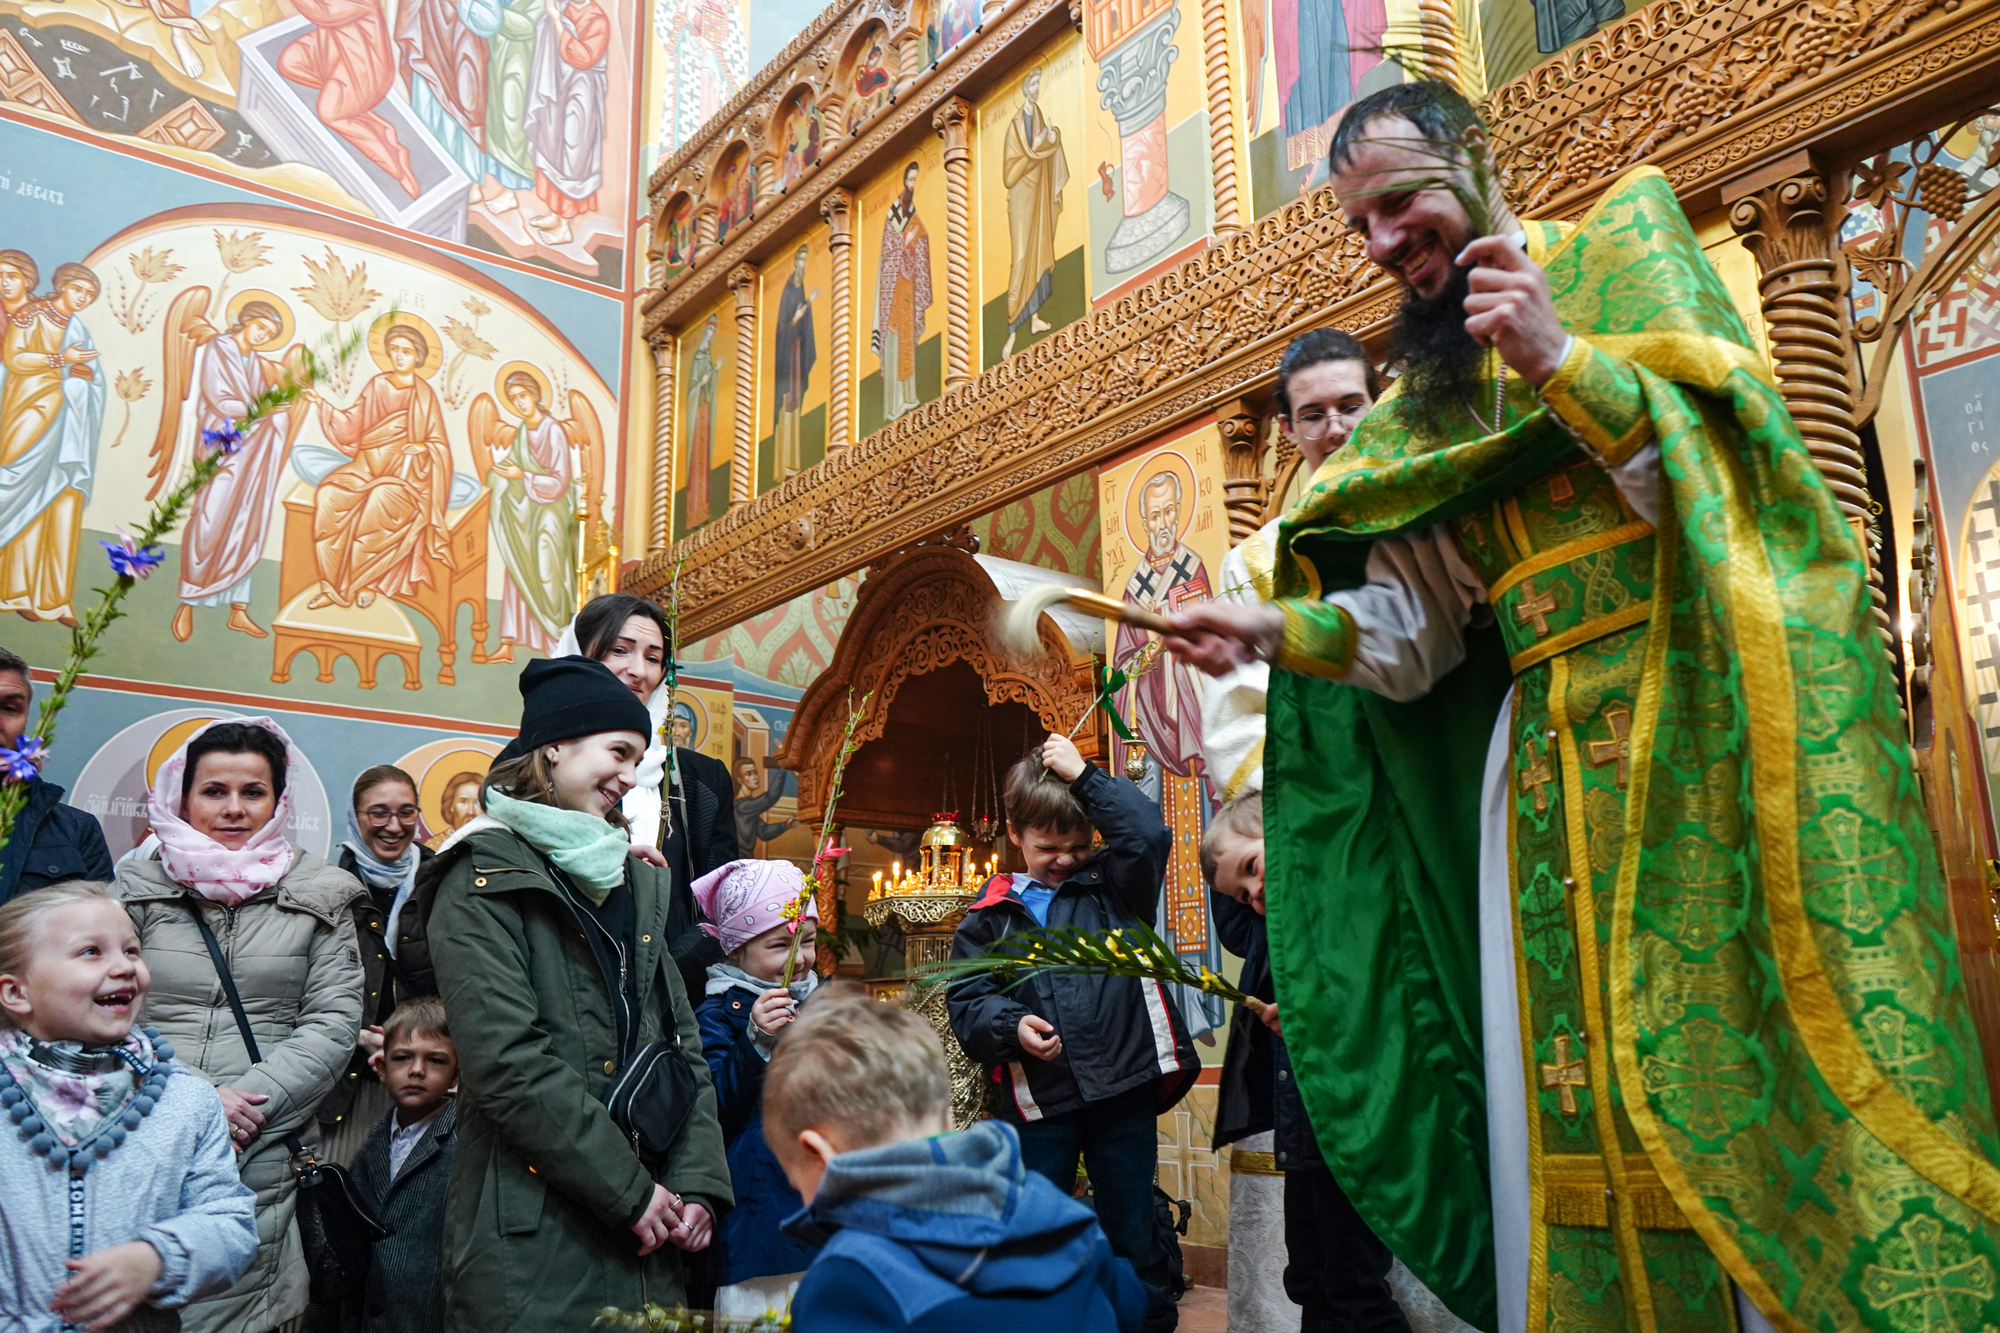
x=336 y=1228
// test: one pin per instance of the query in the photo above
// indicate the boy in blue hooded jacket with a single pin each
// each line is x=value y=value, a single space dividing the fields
x=922 y=1229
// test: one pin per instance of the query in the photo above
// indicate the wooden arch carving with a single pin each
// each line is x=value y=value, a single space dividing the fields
x=927 y=609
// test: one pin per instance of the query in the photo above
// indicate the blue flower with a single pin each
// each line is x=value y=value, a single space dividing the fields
x=129 y=559
x=22 y=762
x=228 y=439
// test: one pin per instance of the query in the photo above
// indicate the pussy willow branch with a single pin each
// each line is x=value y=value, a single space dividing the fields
x=163 y=518
x=821 y=866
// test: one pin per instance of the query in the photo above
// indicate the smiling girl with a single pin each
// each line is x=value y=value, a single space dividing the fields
x=121 y=1191
x=549 y=938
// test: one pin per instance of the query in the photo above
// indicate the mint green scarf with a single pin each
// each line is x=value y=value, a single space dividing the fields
x=590 y=851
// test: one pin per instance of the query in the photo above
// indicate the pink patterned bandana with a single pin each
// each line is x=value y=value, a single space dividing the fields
x=743 y=899
x=193 y=858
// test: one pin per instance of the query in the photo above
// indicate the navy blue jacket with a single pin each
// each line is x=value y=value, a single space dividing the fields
x=1259 y=1090
x=749 y=1242
x=954 y=1235
x=1118 y=1033
x=51 y=842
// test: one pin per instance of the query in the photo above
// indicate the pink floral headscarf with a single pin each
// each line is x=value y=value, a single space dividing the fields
x=193 y=858
x=743 y=899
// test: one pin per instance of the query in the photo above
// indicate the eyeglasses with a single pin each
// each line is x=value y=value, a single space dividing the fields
x=380 y=816
x=1313 y=424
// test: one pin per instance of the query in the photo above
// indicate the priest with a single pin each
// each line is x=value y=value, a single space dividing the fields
x=1611 y=946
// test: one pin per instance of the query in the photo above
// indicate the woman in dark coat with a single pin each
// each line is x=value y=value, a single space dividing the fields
x=549 y=938
x=382 y=851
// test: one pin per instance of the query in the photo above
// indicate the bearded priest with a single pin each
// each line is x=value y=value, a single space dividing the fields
x=1658 y=1025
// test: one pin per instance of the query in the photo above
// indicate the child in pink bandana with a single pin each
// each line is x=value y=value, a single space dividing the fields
x=745 y=1010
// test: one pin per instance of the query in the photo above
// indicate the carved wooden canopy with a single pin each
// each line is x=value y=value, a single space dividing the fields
x=925 y=611
x=1711 y=92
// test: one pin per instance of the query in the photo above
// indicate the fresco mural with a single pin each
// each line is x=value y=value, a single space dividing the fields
x=1034 y=269
x=900 y=287
x=1055 y=528
x=697 y=58
x=865 y=74
x=1164 y=536
x=499 y=124
x=803 y=132
x=793 y=369
x=734 y=194
x=401 y=522
x=707 y=386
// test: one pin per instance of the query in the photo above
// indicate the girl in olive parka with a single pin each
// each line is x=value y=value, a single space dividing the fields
x=549 y=943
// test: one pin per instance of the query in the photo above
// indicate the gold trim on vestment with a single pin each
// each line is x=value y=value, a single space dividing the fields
x=1562 y=555
x=1234 y=787
x=1638 y=1286
x=1243 y=1162
x=1579 y=1195
x=1720 y=1239
x=1260 y=560
x=1575 y=635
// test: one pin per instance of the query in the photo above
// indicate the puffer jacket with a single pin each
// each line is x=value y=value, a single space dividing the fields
x=297 y=965
x=544 y=1186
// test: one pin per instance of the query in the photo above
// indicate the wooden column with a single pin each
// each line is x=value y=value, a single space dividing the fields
x=1221 y=113
x=838 y=210
x=743 y=470
x=951 y=122
x=1243 y=485
x=1783 y=215
x=665 y=373
x=1437 y=24
x=704 y=234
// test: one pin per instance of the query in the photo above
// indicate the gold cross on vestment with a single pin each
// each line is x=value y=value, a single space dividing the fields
x=1537 y=776
x=1619 y=748
x=1535 y=606
x=1565 y=1074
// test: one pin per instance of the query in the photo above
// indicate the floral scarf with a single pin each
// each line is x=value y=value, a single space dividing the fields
x=191 y=857
x=74 y=1104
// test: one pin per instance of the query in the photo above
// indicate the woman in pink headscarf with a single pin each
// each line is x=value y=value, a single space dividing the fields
x=283 y=921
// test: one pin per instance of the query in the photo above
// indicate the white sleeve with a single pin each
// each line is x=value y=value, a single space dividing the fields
x=1410 y=615
x=1638 y=480
x=1232 y=704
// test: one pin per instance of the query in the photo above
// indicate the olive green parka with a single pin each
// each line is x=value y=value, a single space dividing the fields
x=544 y=1186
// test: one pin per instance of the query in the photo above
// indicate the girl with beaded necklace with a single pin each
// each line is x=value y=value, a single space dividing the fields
x=122 y=1196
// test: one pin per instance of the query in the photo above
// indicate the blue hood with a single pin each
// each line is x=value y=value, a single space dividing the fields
x=963 y=1205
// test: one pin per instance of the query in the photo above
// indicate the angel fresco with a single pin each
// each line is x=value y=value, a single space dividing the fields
x=226 y=369
x=526 y=463
x=51 y=406
x=379 y=521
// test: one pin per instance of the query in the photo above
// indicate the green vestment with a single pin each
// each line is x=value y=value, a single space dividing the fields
x=1747 y=1051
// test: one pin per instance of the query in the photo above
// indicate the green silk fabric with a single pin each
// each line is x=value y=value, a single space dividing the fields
x=1789 y=1028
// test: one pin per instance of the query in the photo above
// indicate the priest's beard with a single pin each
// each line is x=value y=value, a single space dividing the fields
x=1443 y=369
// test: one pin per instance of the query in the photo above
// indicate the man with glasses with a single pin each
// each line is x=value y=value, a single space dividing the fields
x=1326 y=384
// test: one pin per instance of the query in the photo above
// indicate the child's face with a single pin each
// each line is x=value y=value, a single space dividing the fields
x=764 y=956
x=1050 y=853
x=1239 y=868
x=85 y=979
x=419 y=1069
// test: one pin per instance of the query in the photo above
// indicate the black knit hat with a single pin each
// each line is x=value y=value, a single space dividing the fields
x=566 y=697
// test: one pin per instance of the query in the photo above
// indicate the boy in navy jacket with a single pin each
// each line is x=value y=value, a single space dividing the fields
x=924 y=1231
x=1082 y=1065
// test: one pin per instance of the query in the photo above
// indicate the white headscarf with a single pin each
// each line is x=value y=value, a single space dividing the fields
x=644 y=804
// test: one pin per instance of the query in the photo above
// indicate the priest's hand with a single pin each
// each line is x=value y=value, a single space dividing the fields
x=1509 y=308
x=1218 y=637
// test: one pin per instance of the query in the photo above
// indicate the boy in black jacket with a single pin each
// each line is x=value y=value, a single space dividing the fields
x=1083 y=1065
